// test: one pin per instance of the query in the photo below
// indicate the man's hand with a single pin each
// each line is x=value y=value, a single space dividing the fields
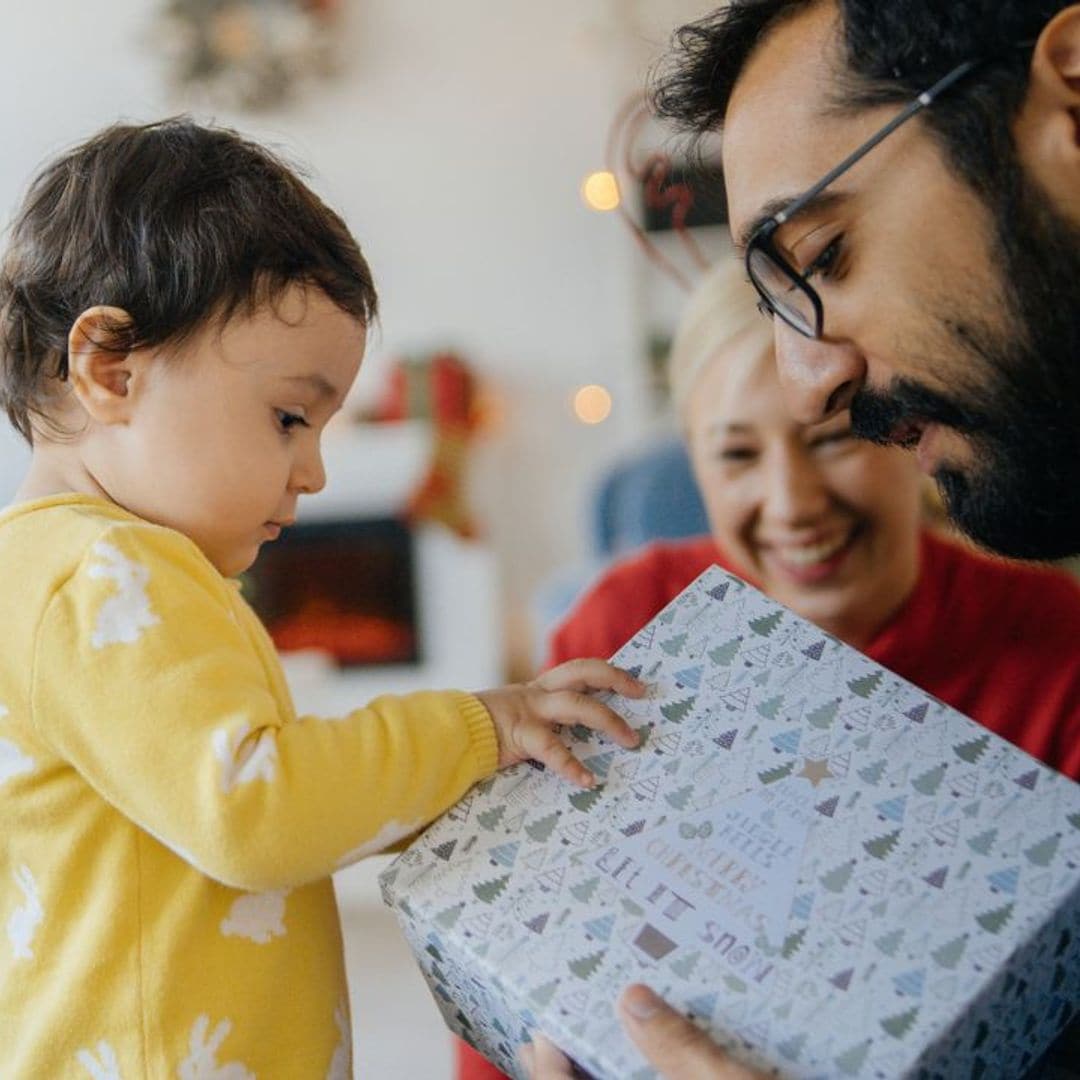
x=673 y=1045
x=670 y=1043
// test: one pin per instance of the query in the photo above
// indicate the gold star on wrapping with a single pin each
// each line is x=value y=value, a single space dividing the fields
x=815 y=770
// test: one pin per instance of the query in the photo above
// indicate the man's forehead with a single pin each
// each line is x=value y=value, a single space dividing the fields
x=780 y=134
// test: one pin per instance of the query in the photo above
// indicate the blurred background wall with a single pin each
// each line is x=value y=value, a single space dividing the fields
x=454 y=140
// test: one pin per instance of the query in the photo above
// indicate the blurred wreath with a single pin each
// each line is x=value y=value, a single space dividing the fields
x=247 y=54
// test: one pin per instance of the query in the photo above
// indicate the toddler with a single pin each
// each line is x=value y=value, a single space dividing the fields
x=180 y=316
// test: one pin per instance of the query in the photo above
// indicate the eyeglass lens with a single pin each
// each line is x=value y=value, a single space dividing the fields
x=781 y=293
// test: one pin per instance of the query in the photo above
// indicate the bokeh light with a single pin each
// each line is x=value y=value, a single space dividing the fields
x=600 y=190
x=592 y=404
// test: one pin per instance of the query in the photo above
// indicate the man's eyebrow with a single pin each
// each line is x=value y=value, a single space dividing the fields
x=823 y=200
x=322 y=386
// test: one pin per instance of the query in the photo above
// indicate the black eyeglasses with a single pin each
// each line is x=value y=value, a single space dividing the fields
x=783 y=290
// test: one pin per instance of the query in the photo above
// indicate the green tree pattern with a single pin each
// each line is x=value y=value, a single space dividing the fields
x=836 y=880
x=1042 y=853
x=851 y=1061
x=899 y=1025
x=973 y=749
x=824 y=715
x=586 y=798
x=678 y=800
x=487 y=891
x=541 y=829
x=766 y=624
x=866 y=685
x=770 y=776
x=881 y=847
x=927 y=783
x=722 y=655
x=983 y=842
x=676 y=711
x=490 y=819
x=993 y=921
x=584 y=967
x=951 y=953
x=583 y=890
x=771 y=709
x=792 y=943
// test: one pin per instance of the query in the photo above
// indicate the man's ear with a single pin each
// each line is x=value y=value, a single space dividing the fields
x=100 y=367
x=1047 y=129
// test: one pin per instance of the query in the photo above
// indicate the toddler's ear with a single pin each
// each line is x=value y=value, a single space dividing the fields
x=99 y=364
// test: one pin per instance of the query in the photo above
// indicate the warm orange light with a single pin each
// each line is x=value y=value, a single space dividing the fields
x=600 y=190
x=592 y=404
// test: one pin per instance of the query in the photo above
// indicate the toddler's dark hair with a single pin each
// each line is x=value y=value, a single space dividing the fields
x=177 y=224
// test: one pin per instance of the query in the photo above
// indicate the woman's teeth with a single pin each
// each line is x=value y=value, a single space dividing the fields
x=808 y=554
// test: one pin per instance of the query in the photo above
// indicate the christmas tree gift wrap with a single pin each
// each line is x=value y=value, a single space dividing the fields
x=832 y=872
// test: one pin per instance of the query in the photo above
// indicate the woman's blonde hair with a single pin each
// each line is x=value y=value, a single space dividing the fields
x=721 y=311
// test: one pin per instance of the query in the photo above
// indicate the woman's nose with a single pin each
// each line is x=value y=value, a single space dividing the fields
x=795 y=491
x=818 y=378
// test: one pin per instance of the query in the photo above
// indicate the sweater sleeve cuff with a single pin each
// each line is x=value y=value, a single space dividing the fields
x=481 y=729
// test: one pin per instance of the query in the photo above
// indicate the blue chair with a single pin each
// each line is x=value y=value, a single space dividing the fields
x=648 y=496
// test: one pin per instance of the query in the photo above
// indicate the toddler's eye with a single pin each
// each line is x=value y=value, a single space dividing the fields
x=287 y=420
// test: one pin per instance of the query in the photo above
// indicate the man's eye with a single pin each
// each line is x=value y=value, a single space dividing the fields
x=833 y=438
x=287 y=420
x=825 y=263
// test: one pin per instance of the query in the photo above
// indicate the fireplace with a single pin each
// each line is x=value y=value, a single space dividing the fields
x=346 y=588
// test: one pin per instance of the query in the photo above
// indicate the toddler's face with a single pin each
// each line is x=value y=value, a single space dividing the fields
x=225 y=435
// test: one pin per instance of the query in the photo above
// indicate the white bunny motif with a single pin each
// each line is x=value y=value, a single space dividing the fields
x=259 y=917
x=256 y=762
x=201 y=1063
x=100 y=1062
x=125 y=614
x=341 y=1062
x=24 y=921
x=13 y=762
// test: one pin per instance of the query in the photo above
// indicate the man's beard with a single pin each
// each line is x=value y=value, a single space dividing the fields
x=1019 y=405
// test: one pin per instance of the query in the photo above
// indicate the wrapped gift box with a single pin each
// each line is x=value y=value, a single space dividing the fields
x=834 y=873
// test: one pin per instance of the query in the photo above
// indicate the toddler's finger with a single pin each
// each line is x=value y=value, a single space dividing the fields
x=591 y=674
x=574 y=707
x=543 y=745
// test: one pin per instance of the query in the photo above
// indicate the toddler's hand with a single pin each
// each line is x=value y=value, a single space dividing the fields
x=525 y=714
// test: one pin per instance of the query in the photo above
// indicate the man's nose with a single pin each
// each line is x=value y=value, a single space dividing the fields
x=818 y=378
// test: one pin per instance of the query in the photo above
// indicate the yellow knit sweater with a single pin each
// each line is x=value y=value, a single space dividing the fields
x=168 y=824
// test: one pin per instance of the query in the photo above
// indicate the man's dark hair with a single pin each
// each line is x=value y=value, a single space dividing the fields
x=176 y=223
x=891 y=51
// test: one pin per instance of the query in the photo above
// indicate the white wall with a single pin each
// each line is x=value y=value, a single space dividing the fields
x=454 y=144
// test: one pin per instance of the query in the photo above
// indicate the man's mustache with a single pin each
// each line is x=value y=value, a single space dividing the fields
x=897 y=415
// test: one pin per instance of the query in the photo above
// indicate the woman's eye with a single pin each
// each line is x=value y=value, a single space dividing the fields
x=737 y=454
x=287 y=420
x=825 y=263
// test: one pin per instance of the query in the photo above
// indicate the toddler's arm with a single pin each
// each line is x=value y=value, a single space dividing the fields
x=166 y=696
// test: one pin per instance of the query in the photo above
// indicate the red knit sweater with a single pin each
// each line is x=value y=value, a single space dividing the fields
x=998 y=641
